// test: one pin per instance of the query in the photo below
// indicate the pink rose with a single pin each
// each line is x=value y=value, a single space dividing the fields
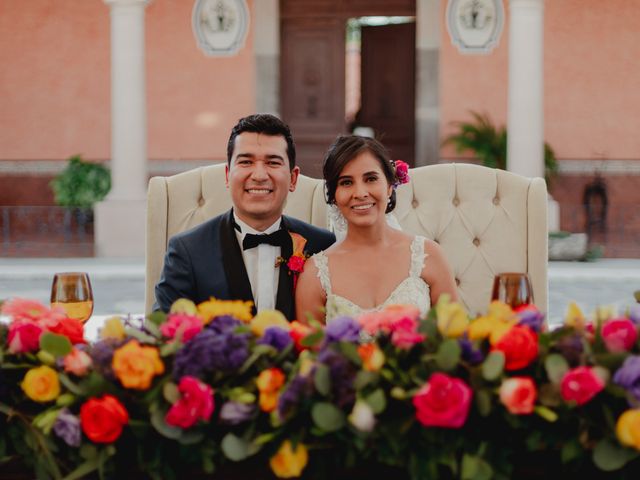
x=402 y=172
x=24 y=336
x=404 y=333
x=296 y=263
x=580 y=385
x=77 y=362
x=32 y=311
x=181 y=323
x=382 y=321
x=195 y=403
x=443 y=401
x=619 y=334
x=519 y=395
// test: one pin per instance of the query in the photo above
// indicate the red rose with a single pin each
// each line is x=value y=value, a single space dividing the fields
x=196 y=403
x=519 y=345
x=24 y=336
x=518 y=394
x=443 y=401
x=619 y=334
x=580 y=385
x=102 y=419
x=70 y=328
x=296 y=263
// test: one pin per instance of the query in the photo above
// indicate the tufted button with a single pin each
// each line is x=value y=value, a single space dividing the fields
x=436 y=240
x=496 y=200
x=476 y=241
x=200 y=201
x=457 y=282
x=414 y=202
x=456 y=201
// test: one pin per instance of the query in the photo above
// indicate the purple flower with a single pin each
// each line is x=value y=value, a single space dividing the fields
x=342 y=374
x=532 y=318
x=235 y=413
x=216 y=348
x=628 y=376
x=299 y=388
x=634 y=313
x=67 y=427
x=571 y=348
x=342 y=329
x=102 y=355
x=277 y=337
x=469 y=353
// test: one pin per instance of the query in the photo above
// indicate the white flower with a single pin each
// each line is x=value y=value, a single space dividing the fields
x=362 y=417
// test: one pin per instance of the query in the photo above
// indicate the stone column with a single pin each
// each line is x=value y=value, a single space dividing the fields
x=427 y=82
x=120 y=219
x=266 y=48
x=525 y=146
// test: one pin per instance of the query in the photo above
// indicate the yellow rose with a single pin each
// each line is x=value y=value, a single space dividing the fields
x=41 y=384
x=489 y=326
x=501 y=311
x=628 y=428
x=184 y=305
x=452 y=319
x=135 y=365
x=216 y=308
x=266 y=319
x=287 y=462
x=113 y=328
x=574 y=317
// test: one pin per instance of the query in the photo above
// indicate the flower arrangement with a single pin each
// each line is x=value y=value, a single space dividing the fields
x=209 y=388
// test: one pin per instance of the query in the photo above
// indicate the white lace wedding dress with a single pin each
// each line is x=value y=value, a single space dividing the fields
x=412 y=290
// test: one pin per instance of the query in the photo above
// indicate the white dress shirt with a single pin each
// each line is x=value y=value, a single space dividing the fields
x=260 y=263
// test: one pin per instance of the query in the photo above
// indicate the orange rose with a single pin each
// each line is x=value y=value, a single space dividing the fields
x=135 y=365
x=371 y=356
x=269 y=382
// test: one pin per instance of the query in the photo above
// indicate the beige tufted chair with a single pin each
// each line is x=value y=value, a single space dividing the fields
x=487 y=221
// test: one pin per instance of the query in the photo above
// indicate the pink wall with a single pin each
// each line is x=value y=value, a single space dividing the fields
x=591 y=79
x=55 y=82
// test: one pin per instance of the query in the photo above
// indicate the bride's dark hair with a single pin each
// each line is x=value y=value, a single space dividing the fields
x=346 y=148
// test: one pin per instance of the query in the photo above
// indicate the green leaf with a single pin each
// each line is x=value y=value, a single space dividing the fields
x=350 y=351
x=377 y=401
x=312 y=339
x=364 y=378
x=483 y=402
x=157 y=318
x=157 y=420
x=448 y=354
x=56 y=345
x=83 y=469
x=556 y=367
x=234 y=447
x=170 y=392
x=76 y=389
x=88 y=451
x=570 y=451
x=322 y=379
x=546 y=413
x=327 y=416
x=190 y=438
x=475 y=468
x=610 y=456
x=493 y=366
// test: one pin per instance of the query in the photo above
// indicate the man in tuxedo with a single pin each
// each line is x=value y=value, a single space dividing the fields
x=234 y=256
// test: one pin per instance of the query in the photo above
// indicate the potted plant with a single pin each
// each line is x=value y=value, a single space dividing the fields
x=78 y=187
x=489 y=143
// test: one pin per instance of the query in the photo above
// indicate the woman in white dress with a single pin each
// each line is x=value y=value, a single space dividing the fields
x=375 y=265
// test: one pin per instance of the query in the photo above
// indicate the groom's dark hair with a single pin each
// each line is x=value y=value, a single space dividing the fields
x=345 y=149
x=266 y=124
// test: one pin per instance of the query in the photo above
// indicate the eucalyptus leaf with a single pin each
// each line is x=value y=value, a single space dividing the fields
x=377 y=401
x=170 y=392
x=56 y=345
x=483 y=402
x=190 y=438
x=312 y=339
x=556 y=366
x=448 y=354
x=166 y=430
x=493 y=366
x=350 y=351
x=322 y=379
x=610 y=456
x=475 y=468
x=327 y=417
x=157 y=318
x=234 y=447
x=364 y=378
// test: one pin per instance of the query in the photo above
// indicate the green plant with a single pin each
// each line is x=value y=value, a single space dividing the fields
x=81 y=184
x=489 y=143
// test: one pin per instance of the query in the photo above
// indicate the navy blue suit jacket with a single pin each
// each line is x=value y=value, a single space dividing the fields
x=206 y=261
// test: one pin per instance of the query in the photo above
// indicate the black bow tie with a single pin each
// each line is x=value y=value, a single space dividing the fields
x=277 y=239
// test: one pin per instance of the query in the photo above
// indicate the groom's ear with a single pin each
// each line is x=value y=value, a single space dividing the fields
x=295 y=171
x=226 y=175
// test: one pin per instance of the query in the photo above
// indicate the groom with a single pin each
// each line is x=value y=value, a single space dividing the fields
x=234 y=256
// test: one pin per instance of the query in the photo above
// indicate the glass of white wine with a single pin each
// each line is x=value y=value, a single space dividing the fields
x=514 y=289
x=72 y=292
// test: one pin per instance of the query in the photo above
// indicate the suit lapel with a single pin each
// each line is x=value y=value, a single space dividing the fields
x=234 y=269
x=284 y=297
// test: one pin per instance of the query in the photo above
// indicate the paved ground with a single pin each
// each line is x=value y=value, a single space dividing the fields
x=118 y=284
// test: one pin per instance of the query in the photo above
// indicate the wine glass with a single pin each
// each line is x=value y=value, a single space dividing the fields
x=514 y=289
x=72 y=292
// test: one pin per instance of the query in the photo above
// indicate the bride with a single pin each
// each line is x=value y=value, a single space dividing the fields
x=375 y=265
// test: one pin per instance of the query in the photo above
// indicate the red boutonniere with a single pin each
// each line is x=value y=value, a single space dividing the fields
x=295 y=263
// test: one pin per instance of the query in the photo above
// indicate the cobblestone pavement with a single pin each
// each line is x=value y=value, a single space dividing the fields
x=118 y=285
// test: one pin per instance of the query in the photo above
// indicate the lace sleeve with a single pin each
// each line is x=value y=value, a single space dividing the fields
x=418 y=256
x=322 y=264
